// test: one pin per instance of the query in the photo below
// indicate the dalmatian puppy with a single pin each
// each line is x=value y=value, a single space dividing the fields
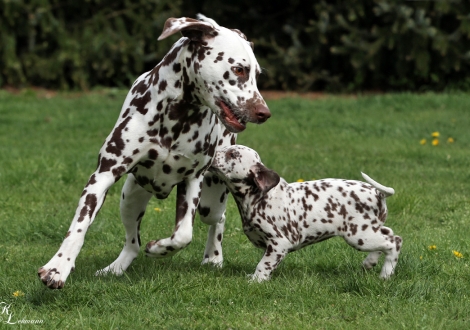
x=173 y=120
x=280 y=218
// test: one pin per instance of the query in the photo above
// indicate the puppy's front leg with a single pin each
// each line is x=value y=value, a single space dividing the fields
x=271 y=259
x=212 y=212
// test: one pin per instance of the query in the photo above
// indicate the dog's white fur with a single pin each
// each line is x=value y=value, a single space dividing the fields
x=280 y=217
x=172 y=121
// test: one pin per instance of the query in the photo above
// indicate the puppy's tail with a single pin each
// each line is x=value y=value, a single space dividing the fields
x=387 y=191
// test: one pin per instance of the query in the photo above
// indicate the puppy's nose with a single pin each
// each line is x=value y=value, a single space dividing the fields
x=262 y=113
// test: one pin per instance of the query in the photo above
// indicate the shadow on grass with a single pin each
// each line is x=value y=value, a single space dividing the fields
x=184 y=272
x=174 y=272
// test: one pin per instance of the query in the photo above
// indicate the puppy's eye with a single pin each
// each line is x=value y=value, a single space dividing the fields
x=231 y=155
x=238 y=70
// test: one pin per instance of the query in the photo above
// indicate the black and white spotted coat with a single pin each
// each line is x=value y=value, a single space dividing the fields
x=173 y=119
x=280 y=218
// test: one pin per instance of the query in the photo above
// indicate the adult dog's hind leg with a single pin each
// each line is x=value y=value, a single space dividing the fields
x=134 y=200
x=188 y=194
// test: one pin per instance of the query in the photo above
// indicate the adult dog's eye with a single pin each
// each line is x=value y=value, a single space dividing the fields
x=238 y=70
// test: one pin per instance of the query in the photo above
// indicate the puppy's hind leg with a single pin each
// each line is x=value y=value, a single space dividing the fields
x=390 y=245
x=391 y=257
x=382 y=241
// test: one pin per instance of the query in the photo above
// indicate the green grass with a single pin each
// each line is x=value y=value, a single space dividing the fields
x=49 y=147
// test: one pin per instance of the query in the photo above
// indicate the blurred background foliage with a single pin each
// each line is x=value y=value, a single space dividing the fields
x=335 y=46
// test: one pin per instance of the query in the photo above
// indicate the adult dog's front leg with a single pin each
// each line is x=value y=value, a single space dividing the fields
x=187 y=200
x=55 y=272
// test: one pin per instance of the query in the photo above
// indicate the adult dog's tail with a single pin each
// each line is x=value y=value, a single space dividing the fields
x=387 y=191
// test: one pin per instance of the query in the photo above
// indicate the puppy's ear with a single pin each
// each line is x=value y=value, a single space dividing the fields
x=264 y=178
x=191 y=28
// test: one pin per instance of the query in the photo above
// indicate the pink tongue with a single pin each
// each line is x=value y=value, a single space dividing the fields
x=230 y=117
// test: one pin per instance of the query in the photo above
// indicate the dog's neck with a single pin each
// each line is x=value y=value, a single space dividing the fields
x=249 y=200
x=173 y=77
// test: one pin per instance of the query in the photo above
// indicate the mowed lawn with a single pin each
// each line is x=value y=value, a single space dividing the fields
x=49 y=147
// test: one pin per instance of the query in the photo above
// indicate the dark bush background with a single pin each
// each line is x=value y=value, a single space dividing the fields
x=302 y=45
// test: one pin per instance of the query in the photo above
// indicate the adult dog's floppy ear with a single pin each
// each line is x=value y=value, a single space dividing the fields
x=264 y=178
x=189 y=27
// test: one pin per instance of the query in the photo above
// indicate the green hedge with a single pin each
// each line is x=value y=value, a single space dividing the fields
x=302 y=45
x=80 y=44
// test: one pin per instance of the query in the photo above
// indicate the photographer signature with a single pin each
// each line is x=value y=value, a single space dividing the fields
x=6 y=316
x=5 y=312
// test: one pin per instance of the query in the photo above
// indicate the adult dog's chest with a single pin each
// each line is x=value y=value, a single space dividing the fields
x=178 y=143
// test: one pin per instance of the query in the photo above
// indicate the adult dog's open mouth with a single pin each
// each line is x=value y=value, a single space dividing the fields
x=233 y=123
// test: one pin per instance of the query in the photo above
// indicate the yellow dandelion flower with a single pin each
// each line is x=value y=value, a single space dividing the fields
x=422 y=142
x=432 y=247
x=450 y=140
x=300 y=180
x=435 y=134
x=420 y=257
x=158 y=209
x=457 y=254
x=18 y=293
x=435 y=142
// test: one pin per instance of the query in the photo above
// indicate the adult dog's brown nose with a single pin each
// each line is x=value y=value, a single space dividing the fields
x=262 y=113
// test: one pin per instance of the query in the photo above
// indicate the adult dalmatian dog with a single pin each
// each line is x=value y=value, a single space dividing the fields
x=280 y=218
x=173 y=119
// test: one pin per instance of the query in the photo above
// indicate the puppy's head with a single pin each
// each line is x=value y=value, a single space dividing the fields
x=242 y=170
